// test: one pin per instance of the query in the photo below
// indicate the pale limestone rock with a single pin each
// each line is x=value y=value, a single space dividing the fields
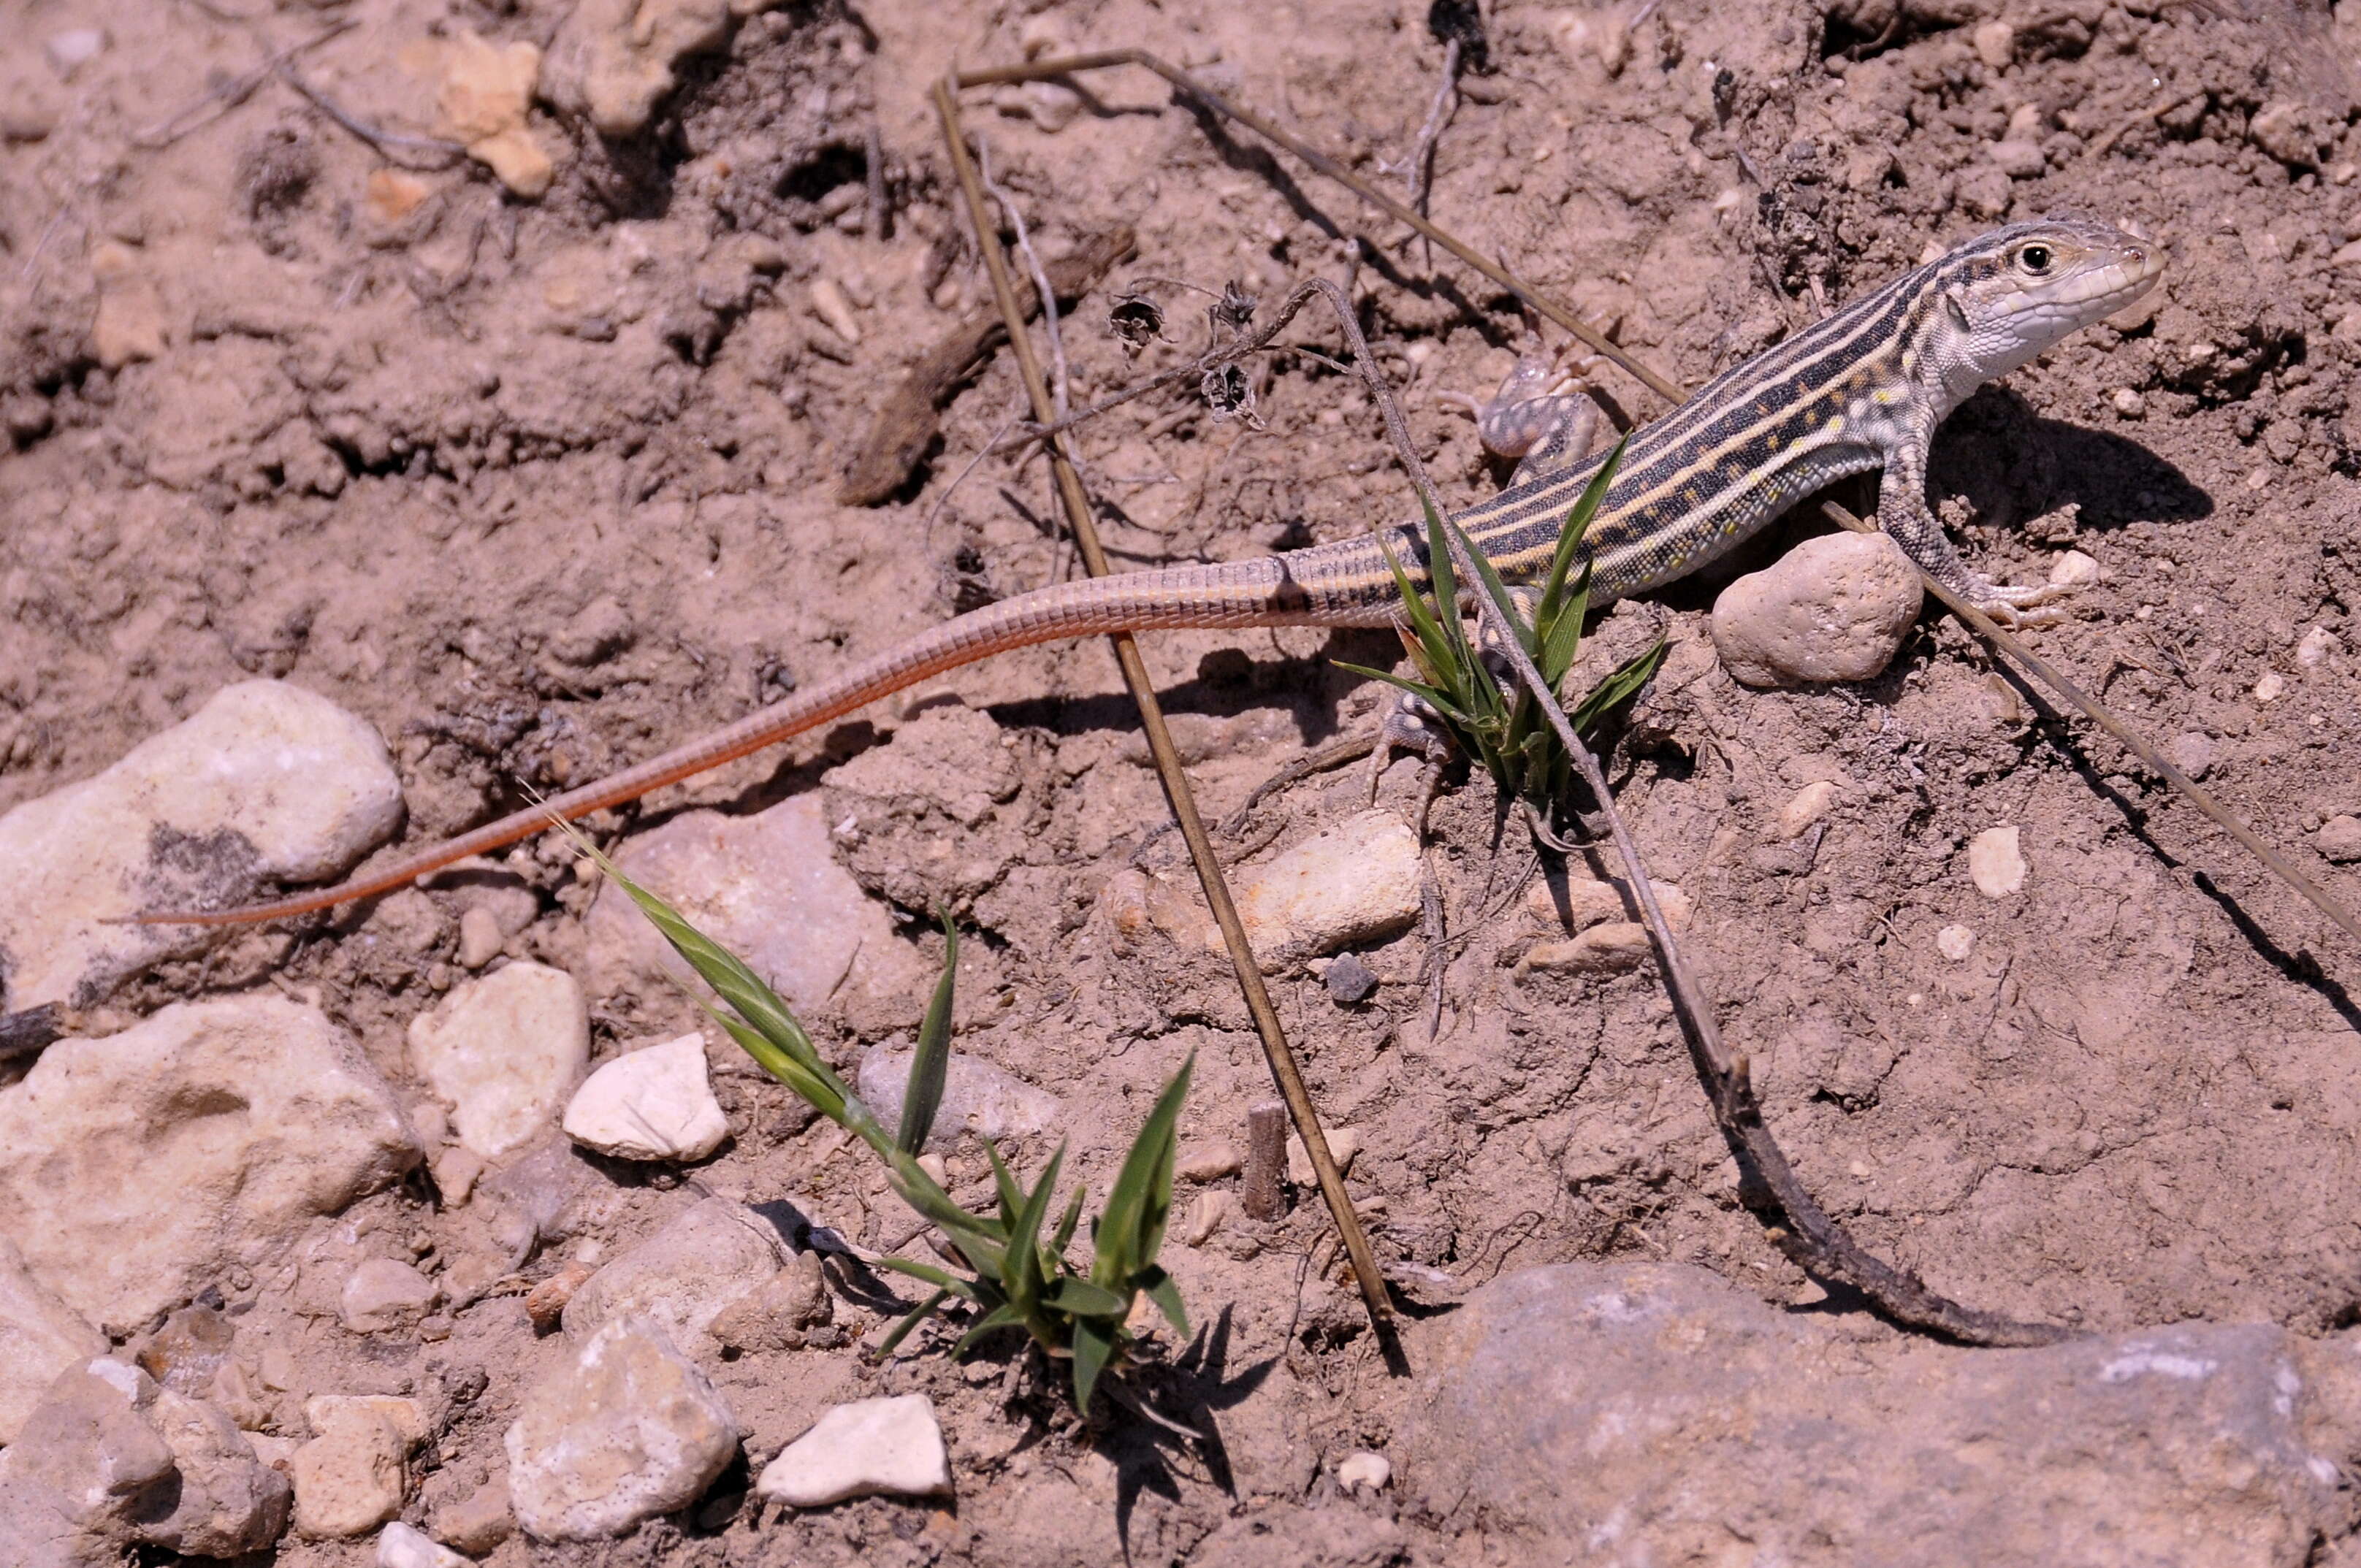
x=653 y=1103
x=977 y=1097
x=1208 y=1162
x=41 y=1336
x=2073 y=569
x=871 y=1447
x=1833 y=608
x=1344 y=1144
x=1808 y=806
x=486 y=90
x=2289 y=131
x=129 y=325
x=1995 y=44
x=1996 y=861
x=681 y=1278
x=399 y=1546
x=144 y=1163
x=613 y=59
x=267 y=781
x=1954 y=943
x=625 y=1430
x=504 y=1051
x=1610 y=949
x=1355 y=882
x=1647 y=1407
x=768 y=888
x=383 y=1293
x=1362 y=1471
x=2315 y=647
x=230 y=1502
x=480 y=938
x=350 y=1478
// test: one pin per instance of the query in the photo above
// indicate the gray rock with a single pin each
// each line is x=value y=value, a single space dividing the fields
x=267 y=782
x=1646 y=1409
x=977 y=1097
x=681 y=1278
x=142 y=1164
x=504 y=1051
x=625 y=1430
x=2340 y=839
x=41 y=1336
x=1833 y=608
x=1349 y=979
x=768 y=888
x=230 y=1503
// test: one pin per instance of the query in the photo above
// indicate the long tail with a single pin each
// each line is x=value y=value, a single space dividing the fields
x=1267 y=591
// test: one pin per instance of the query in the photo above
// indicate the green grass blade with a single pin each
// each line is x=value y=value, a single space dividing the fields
x=1012 y=1197
x=927 y=1274
x=1161 y=1290
x=910 y=1321
x=930 y=1063
x=1131 y=1227
x=1022 y=1278
x=1005 y=1316
x=1084 y=1300
x=1430 y=695
x=1489 y=578
x=1619 y=686
x=1094 y=1344
x=1577 y=527
x=1068 y=1220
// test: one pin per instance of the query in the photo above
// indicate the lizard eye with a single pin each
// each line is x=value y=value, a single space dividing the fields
x=2034 y=259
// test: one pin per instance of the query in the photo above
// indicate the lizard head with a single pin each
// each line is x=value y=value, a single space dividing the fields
x=2009 y=294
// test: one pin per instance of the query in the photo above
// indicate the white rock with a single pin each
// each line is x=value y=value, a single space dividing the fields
x=1954 y=943
x=1996 y=861
x=625 y=1430
x=2268 y=688
x=267 y=781
x=1362 y=1471
x=683 y=1277
x=399 y=1546
x=350 y=1478
x=768 y=888
x=2312 y=648
x=1833 y=608
x=1343 y=1143
x=653 y=1103
x=504 y=1051
x=1995 y=44
x=141 y=1165
x=1808 y=806
x=76 y=47
x=871 y=1447
x=2072 y=569
x=977 y=1097
x=41 y=1336
x=480 y=937
x=2193 y=752
x=384 y=1293
x=1356 y=881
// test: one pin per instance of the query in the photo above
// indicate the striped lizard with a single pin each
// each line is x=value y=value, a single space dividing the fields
x=1863 y=389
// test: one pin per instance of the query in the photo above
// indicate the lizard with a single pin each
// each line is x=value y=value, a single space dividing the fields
x=1862 y=389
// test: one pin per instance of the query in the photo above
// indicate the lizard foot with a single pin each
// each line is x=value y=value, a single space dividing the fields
x=1410 y=725
x=2018 y=605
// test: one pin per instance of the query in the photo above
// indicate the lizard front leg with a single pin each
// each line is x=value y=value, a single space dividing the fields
x=1541 y=413
x=1903 y=513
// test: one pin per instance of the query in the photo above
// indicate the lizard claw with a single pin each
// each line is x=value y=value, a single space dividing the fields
x=2020 y=605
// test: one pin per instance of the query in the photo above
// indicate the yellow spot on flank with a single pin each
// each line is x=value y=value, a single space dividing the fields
x=1836 y=424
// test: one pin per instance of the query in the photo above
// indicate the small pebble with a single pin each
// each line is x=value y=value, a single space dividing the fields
x=399 y=1546
x=1343 y=1143
x=1996 y=861
x=1808 y=806
x=1615 y=945
x=654 y=1103
x=2268 y=688
x=2072 y=569
x=479 y=938
x=2315 y=647
x=2018 y=159
x=2129 y=402
x=1364 y=1472
x=544 y=1304
x=1201 y=1163
x=382 y=1293
x=1833 y=608
x=2193 y=752
x=830 y=306
x=1206 y=1216
x=1995 y=44
x=2340 y=839
x=1954 y=943
x=70 y=50
x=1350 y=981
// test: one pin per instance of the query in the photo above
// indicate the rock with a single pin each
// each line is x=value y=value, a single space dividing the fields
x=480 y=938
x=1648 y=1407
x=2271 y=686
x=1995 y=44
x=1996 y=862
x=544 y=1304
x=1833 y=608
x=626 y=1429
x=41 y=1336
x=651 y=1103
x=1808 y=806
x=267 y=781
x=781 y=1312
x=2315 y=647
x=478 y=1522
x=2073 y=569
x=890 y=1447
x=1207 y=1216
x=1575 y=901
x=2340 y=839
x=229 y=1501
x=1354 y=882
x=2018 y=159
x=1207 y=1162
x=1362 y=1471
x=2193 y=752
x=768 y=888
x=144 y=1163
x=503 y=1052
x=399 y=1546
x=2129 y=402
x=1349 y=979
x=2287 y=131
x=382 y=1293
x=487 y=89
x=129 y=323
x=1611 y=948
x=1954 y=943
x=70 y=50
x=1343 y=1143
x=977 y=1097
x=612 y=60
x=679 y=1279
x=349 y=1477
